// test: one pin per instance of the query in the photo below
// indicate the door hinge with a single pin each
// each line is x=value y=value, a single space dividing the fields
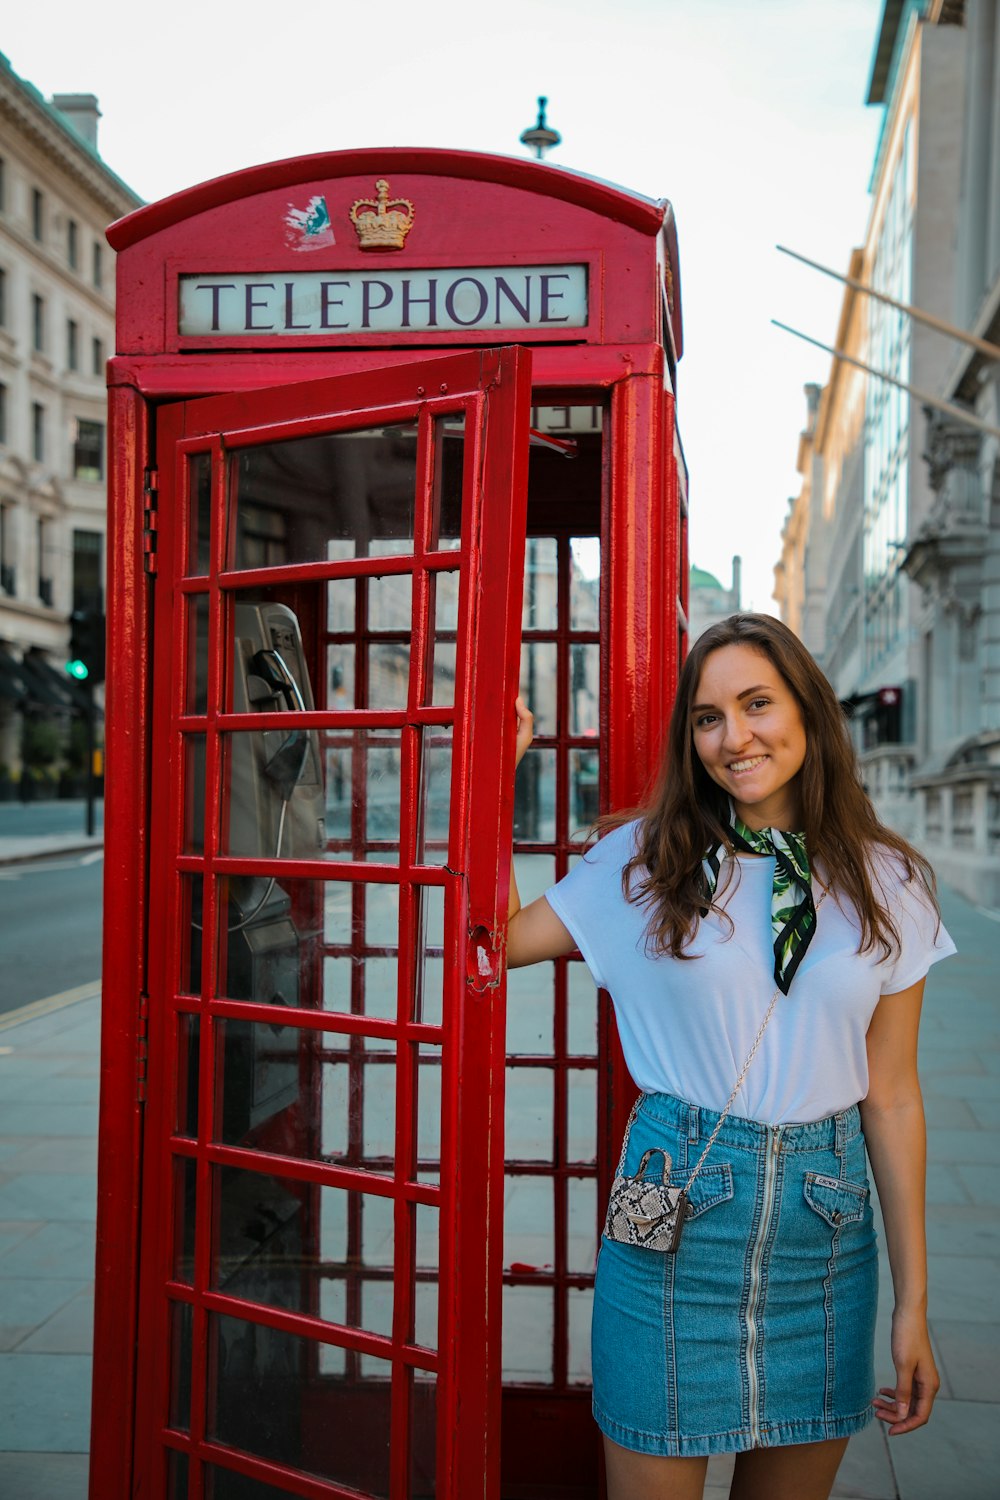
x=150 y=488
x=142 y=1049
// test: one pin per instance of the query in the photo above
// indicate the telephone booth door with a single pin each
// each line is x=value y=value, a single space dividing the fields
x=337 y=614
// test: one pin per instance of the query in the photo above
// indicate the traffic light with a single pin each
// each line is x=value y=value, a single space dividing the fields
x=86 y=646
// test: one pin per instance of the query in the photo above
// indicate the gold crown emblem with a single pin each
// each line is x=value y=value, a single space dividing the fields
x=383 y=222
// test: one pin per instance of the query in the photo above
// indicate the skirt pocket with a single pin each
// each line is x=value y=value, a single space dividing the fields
x=836 y=1201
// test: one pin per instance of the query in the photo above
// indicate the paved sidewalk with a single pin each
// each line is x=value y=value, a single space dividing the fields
x=40 y=831
x=48 y=1146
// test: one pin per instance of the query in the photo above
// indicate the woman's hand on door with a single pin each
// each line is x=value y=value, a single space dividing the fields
x=525 y=729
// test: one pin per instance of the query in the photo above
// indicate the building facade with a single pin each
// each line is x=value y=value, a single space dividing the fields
x=867 y=490
x=56 y=332
x=953 y=555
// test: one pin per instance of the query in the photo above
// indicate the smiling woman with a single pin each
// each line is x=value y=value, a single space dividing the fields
x=705 y=915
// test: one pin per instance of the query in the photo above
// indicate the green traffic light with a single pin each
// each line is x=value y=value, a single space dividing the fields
x=78 y=669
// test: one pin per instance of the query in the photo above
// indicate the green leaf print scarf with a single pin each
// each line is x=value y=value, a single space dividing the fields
x=793 y=910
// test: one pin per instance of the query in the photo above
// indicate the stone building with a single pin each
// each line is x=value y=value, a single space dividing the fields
x=56 y=332
x=866 y=489
x=953 y=554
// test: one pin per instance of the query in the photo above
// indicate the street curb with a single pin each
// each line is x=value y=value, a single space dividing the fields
x=54 y=853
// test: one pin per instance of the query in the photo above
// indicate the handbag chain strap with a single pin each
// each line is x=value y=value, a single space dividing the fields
x=729 y=1102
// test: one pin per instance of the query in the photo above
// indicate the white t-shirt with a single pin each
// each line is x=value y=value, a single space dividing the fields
x=686 y=1026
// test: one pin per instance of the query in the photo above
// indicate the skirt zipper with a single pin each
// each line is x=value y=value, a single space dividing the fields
x=756 y=1264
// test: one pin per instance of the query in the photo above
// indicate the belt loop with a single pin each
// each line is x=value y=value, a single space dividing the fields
x=840 y=1145
x=692 y=1122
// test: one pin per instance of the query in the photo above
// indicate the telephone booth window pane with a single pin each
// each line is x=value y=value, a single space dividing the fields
x=270 y=1249
x=191 y=895
x=580 y=1315
x=449 y=464
x=308 y=1094
x=315 y=499
x=581 y=1115
x=266 y=1382
x=435 y=796
x=197 y=655
x=388 y=674
x=194 y=793
x=188 y=1052
x=390 y=602
x=581 y=1012
x=428 y=1083
x=185 y=1191
x=581 y=1233
x=180 y=1366
x=531 y=1010
x=585 y=583
x=585 y=687
x=177 y=1475
x=428 y=999
x=423 y=1437
x=273 y=801
x=199 y=512
x=539 y=682
x=529 y=1106
x=540 y=609
x=425 y=1289
x=527 y=1334
x=535 y=797
x=584 y=792
x=529 y=1223
x=338 y=761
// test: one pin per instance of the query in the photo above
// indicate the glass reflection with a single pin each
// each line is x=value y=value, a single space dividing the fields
x=199 y=512
x=449 y=461
x=528 y=1329
x=541 y=584
x=312 y=499
x=265 y=1379
x=529 y=1224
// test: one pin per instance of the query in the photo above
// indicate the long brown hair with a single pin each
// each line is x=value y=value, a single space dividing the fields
x=687 y=813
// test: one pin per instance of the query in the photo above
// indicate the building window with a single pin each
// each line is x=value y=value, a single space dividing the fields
x=3 y=414
x=98 y=356
x=45 y=590
x=88 y=549
x=98 y=267
x=3 y=185
x=38 y=321
x=72 y=345
x=72 y=244
x=8 y=574
x=88 y=450
x=3 y=298
x=37 y=214
x=38 y=432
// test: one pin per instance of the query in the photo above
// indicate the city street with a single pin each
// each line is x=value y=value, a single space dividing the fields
x=50 y=932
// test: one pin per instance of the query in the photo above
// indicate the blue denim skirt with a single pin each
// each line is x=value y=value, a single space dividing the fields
x=759 y=1331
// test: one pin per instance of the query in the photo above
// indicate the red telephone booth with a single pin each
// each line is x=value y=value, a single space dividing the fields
x=392 y=431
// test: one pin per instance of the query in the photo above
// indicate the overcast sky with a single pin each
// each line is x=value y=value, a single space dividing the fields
x=748 y=114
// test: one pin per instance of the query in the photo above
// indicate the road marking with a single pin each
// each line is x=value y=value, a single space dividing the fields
x=51 y=1003
x=44 y=864
x=994 y=916
x=92 y=859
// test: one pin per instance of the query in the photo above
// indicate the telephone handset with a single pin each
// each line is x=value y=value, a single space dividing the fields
x=277 y=800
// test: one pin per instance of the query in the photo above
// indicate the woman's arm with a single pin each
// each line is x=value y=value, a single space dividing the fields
x=893 y=1119
x=534 y=932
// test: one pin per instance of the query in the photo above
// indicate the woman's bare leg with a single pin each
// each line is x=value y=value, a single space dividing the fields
x=802 y=1471
x=641 y=1476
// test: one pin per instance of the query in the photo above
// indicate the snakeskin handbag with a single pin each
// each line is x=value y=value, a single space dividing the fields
x=643 y=1211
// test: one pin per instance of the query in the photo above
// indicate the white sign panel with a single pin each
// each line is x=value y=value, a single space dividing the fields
x=480 y=298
